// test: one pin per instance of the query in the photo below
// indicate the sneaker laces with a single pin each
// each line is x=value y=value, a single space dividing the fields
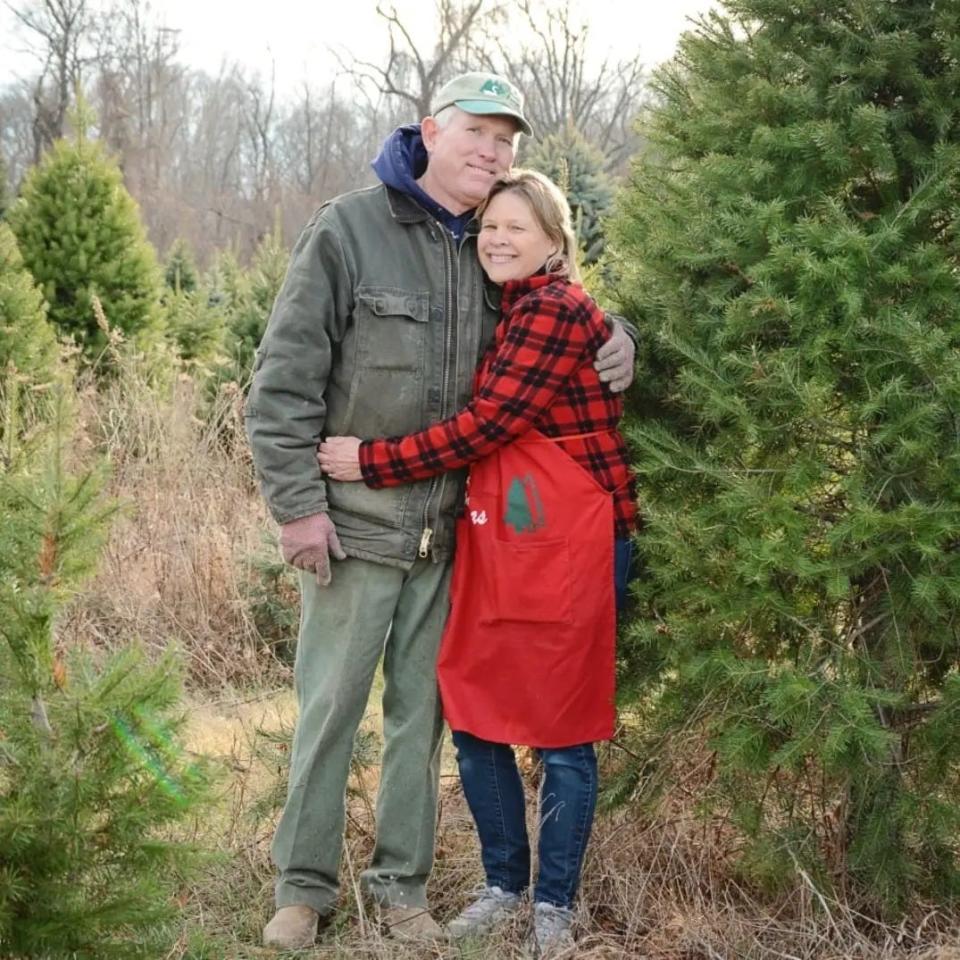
x=551 y=924
x=488 y=899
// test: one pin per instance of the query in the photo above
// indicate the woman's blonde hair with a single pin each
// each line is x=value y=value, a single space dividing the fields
x=550 y=210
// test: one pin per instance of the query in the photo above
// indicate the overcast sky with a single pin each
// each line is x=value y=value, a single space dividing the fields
x=297 y=36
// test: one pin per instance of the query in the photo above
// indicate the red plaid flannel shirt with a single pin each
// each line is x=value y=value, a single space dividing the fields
x=537 y=373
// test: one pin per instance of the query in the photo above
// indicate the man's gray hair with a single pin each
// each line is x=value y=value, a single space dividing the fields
x=444 y=116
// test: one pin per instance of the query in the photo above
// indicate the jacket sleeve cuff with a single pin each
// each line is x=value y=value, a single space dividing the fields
x=286 y=516
x=370 y=451
x=615 y=320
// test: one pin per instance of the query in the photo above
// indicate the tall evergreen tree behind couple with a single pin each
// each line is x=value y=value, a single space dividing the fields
x=788 y=245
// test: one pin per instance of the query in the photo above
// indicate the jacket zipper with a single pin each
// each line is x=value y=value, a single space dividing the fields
x=452 y=355
x=451 y=264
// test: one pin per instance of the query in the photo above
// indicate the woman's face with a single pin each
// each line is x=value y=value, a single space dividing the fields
x=511 y=244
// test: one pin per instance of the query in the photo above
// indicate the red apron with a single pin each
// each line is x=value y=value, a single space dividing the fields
x=527 y=655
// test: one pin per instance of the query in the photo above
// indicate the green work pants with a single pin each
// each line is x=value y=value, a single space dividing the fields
x=368 y=611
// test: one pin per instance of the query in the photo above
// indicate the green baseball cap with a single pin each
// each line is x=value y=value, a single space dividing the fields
x=483 y=93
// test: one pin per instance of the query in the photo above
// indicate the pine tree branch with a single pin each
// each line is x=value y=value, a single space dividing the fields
x=863 y=630
x=38 y=716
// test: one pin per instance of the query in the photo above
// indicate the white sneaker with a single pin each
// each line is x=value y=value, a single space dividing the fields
x=552 y=931
x=492 y=908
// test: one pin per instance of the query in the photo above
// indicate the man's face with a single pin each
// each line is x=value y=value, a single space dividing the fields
x=466 y=155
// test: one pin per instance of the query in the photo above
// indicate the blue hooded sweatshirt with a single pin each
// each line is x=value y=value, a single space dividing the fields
x=402 y=159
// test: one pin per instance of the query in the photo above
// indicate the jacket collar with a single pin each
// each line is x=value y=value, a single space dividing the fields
x=403 y=208
x=401 y=161
x=514 y=290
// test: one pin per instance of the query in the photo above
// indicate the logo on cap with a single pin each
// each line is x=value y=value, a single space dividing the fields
x=497 y=89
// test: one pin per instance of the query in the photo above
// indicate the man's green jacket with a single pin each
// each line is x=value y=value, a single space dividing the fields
x=377 y=331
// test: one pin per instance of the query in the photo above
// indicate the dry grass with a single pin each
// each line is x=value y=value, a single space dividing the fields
x=177 y=569
x=658 y=887
x=179 y=561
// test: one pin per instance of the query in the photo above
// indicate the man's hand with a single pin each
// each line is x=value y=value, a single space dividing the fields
x=339 y=458
x=307 y=544
x=614 y=361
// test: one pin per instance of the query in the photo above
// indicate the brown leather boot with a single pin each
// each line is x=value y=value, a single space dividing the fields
x=292 y=928
x=410 y=923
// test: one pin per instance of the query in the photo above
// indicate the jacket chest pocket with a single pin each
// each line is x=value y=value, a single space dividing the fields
x=392 y=329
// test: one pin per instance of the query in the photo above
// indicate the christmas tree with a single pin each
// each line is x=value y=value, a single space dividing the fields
x=93 y=781
x=180 y=272
x=28 y=346
x=81 y=237
x=576 y=167
x=788 y=246
x=4 y=187
x=195 y=325
x=250 y=311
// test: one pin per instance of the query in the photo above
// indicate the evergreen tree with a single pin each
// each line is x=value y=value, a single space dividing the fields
x=227 y=282
x=4 y=188
x=788 y=246
x=27 y=341
x=195 y=318
x=91 y=775
x=576 y=166
x=80 y=234
x=181 y=272
x=247 y=298
x=196 y=324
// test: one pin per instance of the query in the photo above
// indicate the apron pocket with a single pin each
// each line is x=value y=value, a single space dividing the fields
x=527 y=582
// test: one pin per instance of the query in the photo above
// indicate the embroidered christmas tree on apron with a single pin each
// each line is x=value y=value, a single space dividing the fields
x=524 y=510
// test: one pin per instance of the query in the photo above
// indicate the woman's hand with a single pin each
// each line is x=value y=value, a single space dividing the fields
x=339 y=458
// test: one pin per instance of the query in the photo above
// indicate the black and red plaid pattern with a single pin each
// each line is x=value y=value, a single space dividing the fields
x=537 y=373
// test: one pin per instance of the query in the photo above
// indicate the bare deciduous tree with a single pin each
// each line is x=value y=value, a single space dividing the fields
x=216 y=159
x=544 y=48
x=413 y=76
x=58 y=31
x=16 y=129
x=562 y=88
x=258 y=121
x=139 y=91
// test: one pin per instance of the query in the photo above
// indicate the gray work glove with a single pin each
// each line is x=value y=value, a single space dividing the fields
x=614 y=361
x=308 y=543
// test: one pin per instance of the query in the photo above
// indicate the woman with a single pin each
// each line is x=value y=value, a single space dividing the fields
x=528 y=651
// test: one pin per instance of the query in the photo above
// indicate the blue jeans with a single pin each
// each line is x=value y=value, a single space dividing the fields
x=494 y=792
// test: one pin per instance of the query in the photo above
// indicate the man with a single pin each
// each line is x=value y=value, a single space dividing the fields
x=376 y=332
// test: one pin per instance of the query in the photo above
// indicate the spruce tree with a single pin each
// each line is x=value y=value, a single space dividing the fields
x=248 y=299
x=195 y=324
x=80 y=234
x=577 y=167
x=28 y=346
x=788 y=246
x=93 y=780
x=194 y=317
x=180 y=272
x=4 y=188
